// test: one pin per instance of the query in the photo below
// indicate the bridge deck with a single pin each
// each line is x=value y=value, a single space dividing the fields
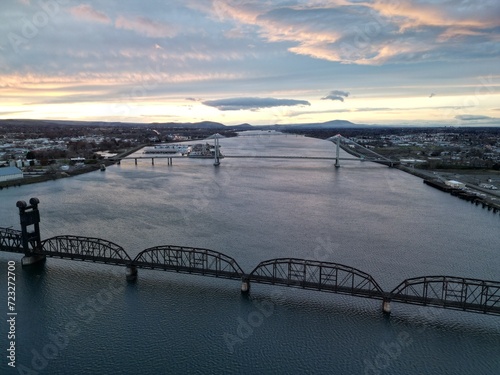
x=251 y=157
x=472 y=295
x=453 y=305
x=338 y=289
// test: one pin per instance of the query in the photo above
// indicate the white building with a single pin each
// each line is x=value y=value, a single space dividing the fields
x=10 y=173
x=455 y=184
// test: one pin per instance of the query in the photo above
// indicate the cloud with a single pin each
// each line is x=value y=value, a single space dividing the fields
x=336 y=95
x=5 y=113
x=235 y=104
x=473 y=117
x=369 y=32
x=86 y=12
x=145 y=26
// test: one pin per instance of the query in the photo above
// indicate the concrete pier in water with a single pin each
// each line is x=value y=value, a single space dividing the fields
x=131 y=273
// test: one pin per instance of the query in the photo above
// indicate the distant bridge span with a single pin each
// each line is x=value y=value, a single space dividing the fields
x=359 y=152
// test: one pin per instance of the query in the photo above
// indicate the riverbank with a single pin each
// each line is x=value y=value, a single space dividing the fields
x=55 y=175
x=486 y=198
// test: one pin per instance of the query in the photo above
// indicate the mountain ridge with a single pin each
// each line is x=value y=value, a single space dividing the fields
x=188 y=125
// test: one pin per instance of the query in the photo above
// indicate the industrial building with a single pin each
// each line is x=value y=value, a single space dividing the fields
x=10 y=173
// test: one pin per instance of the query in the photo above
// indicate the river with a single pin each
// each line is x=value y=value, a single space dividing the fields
x=84 y=318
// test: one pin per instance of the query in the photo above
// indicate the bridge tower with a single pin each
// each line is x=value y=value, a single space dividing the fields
x=30 y=237
x=336 y=139
x=216 y=137
x=337 y=153
x=217 y=159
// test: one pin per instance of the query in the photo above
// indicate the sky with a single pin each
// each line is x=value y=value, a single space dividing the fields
x=387 y=62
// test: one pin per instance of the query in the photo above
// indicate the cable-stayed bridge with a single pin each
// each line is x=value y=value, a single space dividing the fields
x=357 y=152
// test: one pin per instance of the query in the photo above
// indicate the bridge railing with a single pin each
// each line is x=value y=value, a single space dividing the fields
x=315 y=275
x=189 y=260
x=11 y=240
x=450 y=292
x=85 y=248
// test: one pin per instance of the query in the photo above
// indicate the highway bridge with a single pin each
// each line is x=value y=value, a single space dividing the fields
x=358 y=152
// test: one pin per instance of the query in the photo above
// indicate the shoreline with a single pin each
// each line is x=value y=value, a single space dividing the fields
x=87 y=168
x=488 y=198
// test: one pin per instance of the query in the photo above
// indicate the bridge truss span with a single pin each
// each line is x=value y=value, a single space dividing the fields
x=85 y=248
x=11 y=240
x=450 y=292
x=315 y=275
x=192 y=260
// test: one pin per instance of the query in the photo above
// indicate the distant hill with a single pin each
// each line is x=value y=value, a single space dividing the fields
x=334 y=124
x=243 y=127
x=191 y=125
x=183 y=125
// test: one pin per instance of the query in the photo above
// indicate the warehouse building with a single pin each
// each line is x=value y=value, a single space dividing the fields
x=10 y=173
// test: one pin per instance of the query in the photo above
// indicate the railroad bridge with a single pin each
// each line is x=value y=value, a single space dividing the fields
x=457 y=293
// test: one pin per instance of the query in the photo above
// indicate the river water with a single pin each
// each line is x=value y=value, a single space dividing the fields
x=84 y=318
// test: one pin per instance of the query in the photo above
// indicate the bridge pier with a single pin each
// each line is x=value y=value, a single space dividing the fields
x=152 y=161
x=135 y=161
x=28 y=260
x=386 y=306
x=131 y=273
x=245 y=285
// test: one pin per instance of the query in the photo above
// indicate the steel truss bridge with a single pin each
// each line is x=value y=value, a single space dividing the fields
x=457 y=293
